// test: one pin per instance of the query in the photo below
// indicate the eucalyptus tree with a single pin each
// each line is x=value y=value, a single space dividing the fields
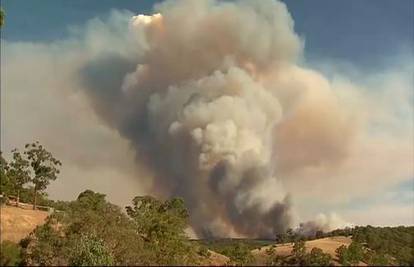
x=44 y=165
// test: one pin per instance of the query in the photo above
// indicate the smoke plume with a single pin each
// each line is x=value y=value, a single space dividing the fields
x=323 y=223
x=211 y=96
x=213 y=101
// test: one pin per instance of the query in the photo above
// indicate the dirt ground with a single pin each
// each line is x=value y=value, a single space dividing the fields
x=17 y=223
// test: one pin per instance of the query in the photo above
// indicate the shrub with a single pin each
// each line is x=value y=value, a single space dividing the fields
x=90 y=251
x=10 y=254
x=239 y=254
x=350 y=255
x=318 y=258
x=203 y=251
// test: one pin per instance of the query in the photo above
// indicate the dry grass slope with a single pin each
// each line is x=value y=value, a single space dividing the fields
x=328 y=245
x=216 y=259
x=17 y=223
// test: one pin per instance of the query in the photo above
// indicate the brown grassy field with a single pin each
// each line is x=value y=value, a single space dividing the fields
x=17 y=223
x=328 y=245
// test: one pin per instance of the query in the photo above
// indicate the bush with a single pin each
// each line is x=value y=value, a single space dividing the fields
x=318 y=258
x=90 y=251
x=203 y=251
x=239 y=254
x=10 y=254
x=341 y=253
x=350 y=255
x=299 y=252
x=274 y=259
x=376 y=259
x=92 y=231
x=45 y=246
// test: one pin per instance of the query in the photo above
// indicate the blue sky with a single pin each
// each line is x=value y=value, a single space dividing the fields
x=363 y=33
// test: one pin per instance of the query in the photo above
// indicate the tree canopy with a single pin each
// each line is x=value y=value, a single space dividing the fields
x=93 y=231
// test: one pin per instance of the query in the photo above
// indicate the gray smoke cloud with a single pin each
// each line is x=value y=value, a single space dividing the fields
x=324 y=223
x=211 y=97
x=211 y=101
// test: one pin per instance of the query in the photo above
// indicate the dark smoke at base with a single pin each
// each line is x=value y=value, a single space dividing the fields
x=202 y=101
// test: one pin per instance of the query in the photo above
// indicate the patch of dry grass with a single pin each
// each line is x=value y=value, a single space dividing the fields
x=17 y=223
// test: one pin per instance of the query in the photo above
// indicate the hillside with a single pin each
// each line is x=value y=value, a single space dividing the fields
x=328 y=245
x=391 y=244
x=215 y=259
x=16 y=223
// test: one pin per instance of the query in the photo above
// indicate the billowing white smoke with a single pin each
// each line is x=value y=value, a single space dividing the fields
x=214 y=103
x=215 y=133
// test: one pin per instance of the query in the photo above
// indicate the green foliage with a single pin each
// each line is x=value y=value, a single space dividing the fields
x=90 y=251
x=341 y=253
x=157 y=220
x=350 y=255
x=355 y=252
x=274 y=259
x=44 y=165
x=27 y=195
x=375 y=259
x=392 y=243
x=288 y=236
x=92 y=222
x=46 y=247
x=18 y=172
x=299 y=250
x=92 y=231
x=299 y=257
x=10 y=254
x=162 y=226
x=347 y=231
x=36 y=165
x=5 y=183
x=222 y=243
x=239 y=254
x=203 y=251
x=318 y=258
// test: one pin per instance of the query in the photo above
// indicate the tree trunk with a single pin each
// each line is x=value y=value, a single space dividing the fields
x=34 y=198
x=18 y=198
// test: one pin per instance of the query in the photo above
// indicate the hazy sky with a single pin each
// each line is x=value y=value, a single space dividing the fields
x=367 y=42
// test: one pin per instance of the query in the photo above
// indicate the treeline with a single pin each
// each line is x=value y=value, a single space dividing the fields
x=222 y=243
x=291 y=236
x=394 y=244
x=299 y=256
x=93 y=231
x=377 y=245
